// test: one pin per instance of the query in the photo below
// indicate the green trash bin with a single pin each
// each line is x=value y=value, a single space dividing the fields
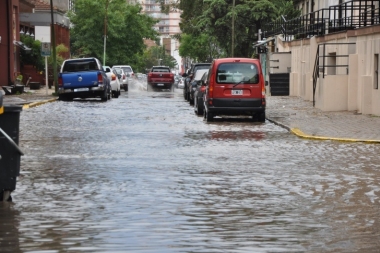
x=10 y=153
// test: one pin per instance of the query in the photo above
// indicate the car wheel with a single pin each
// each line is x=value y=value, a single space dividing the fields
x=261 y=117
x=208 y=116
x=104 y=96
x=65 y=98
x=199 y=108
x=116 y=94
x=126 y=88
x=191 y=100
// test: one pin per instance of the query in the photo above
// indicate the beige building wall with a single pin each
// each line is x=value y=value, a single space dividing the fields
x=352 y=88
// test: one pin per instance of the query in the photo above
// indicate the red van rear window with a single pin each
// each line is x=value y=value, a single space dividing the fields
x=237 y=72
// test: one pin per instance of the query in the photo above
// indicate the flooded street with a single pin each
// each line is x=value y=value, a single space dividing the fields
x=143 y=173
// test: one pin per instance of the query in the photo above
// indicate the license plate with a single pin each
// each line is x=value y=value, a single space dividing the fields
x=160 y=84
x=81 y=89
x=236 y=92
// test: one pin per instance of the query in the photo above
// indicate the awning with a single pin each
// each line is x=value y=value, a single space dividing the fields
x=21 y=45
x=262 y=42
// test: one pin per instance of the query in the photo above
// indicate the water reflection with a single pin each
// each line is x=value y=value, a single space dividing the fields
x=141 y=174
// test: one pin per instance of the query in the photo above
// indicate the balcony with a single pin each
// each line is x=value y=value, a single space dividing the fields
x=346 y=16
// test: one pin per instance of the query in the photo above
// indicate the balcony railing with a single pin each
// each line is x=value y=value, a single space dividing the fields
x=346 y=16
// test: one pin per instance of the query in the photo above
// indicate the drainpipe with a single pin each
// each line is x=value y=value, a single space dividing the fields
x=9 y=42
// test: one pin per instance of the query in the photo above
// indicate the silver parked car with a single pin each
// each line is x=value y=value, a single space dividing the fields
x=123 y=78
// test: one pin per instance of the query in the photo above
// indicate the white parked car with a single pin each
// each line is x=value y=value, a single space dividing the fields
x=114 y=81
x=123 y=78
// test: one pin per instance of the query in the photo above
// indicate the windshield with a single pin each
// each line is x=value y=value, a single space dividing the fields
x=80 y=65
x=127 y=69
x=237 y=72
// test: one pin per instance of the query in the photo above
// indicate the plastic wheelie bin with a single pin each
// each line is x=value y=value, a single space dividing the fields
x=10 y=153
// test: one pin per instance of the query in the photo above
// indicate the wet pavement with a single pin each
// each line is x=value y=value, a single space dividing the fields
x=293 y=113
x=143 y=173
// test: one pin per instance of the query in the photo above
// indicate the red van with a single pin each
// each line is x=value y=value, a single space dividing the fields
x=235 y=86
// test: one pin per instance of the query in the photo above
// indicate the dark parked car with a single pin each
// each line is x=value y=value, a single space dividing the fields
x=189 y=76
x=192 y=86
x=199 y=93
x=235 y=86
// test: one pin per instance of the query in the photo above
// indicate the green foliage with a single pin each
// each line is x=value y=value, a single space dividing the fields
x=124 y=24
x=214 y=18
x=32 y=57
x=61 y=48
x=152 y=56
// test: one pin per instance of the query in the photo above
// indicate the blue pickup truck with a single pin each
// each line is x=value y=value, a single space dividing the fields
x=83 y=78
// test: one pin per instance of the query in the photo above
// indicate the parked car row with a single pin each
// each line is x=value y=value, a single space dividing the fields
x=226 y=87
x=125 y=72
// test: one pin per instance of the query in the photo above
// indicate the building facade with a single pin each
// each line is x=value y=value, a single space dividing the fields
x=167 y=27
x=334 y=55
x=24 y=17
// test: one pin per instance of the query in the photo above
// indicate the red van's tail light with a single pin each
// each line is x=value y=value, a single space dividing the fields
x=60 y=82
x=262 y=91
x=262 y=87
x=100 y=78
x=203 y=88
x=211 y=88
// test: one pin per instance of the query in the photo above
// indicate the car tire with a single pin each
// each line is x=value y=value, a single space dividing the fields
x=191 y=100
x=199 y=109
x=261 y=117
x=104 y=96
x=115 y=94
x=126 y=88
x=65 y=97
x=208 y=116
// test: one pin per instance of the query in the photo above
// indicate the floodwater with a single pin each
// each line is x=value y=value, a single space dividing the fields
x=142 y=173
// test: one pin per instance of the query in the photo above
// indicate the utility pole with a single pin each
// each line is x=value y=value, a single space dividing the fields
x=233 y=29
x=54 y=49
x=105 y=33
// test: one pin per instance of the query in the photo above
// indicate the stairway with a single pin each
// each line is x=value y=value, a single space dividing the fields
x=279 y=84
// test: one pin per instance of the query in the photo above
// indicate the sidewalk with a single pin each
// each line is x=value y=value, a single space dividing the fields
x=303 y=120
x=30 y=98
x=293 y=113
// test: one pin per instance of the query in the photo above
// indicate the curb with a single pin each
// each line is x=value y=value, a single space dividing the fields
x=34 y=104
x=301 y=134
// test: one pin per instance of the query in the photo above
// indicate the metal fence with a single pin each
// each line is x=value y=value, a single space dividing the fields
x=346 y=16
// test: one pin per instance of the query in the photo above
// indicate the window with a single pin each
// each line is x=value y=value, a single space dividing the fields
x=237 y=72
x=376 y=72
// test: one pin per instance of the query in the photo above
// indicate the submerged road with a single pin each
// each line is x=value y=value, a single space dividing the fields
x=143 y=173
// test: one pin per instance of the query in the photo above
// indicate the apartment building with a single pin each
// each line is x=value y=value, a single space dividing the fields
x=330 y=54
x=167 y=26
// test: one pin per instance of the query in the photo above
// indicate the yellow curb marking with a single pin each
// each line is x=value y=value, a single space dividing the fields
x=301 y=134
x=34 y=104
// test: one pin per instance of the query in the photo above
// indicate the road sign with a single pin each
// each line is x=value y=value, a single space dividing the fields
x=45 y=49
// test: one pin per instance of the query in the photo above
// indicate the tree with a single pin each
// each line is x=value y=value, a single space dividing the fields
x=125 y=27
x=214 y=18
